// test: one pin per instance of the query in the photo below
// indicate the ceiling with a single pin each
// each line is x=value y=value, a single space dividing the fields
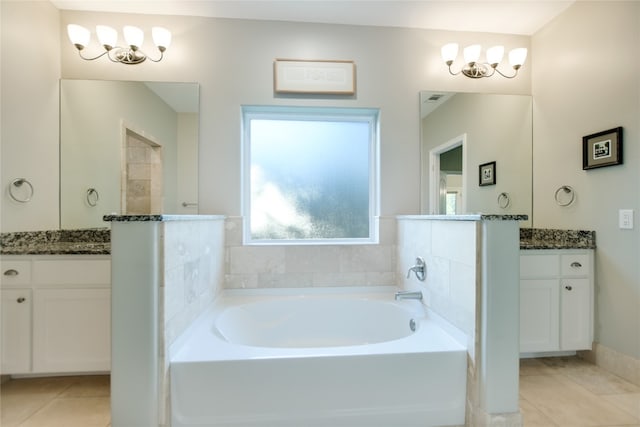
x=523 y=17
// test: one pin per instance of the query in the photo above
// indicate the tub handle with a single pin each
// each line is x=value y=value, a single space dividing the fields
x=420 y=269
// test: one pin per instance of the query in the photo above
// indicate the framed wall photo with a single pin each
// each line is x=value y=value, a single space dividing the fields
x=602 y=149
x=487 y=174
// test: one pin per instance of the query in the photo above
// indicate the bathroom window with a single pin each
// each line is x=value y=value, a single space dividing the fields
x=310 y=175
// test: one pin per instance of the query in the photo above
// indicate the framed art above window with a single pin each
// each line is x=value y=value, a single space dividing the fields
x=314 y=77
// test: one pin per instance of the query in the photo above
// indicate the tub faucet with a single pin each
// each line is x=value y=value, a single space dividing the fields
x=408 y=295
x=420 y=269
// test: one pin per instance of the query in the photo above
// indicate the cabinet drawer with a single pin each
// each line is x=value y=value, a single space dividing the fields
x=575 y=264
x=539 y=265
x=15 y=272
x=72 y=272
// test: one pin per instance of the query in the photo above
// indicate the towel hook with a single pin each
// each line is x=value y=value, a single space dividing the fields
x=18 y=183
x=566 y=189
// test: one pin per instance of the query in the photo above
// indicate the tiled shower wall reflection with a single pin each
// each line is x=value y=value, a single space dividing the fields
x=281 y=266
x=144 y=176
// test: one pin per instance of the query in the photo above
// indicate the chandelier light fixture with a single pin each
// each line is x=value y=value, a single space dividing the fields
x=108 y=38
x=475 y=69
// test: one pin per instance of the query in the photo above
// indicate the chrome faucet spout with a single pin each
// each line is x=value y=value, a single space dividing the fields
x=408 y=295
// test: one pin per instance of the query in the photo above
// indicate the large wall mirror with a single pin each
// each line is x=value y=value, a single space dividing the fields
x=127 y=148
x=476 y=154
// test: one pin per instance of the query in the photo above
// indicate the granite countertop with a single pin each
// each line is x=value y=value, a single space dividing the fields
x=466 y=217
x=93 y=241
x=542 y=238
x=98 y=241
x=160 y=218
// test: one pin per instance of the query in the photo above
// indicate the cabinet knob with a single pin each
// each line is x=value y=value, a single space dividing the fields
x=576 y=264
x=568 y=287
x=11 y=272
x=21 y=300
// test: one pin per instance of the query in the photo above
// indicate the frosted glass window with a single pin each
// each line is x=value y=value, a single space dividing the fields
x=309 y=175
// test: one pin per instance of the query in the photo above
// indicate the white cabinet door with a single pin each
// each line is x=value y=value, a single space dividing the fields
x=71 y=330
x=539 y=315
x=576 y=318
x=16 y=331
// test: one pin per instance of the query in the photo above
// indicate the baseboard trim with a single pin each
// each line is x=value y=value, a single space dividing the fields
x=617 y=363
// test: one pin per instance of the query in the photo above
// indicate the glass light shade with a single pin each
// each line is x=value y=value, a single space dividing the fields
x=107 y=36
x=517 y=57
x=78 y=35
x=472 y=53
x=495 y=54
x=449 y=52
x=161 y=37
x=133 y=36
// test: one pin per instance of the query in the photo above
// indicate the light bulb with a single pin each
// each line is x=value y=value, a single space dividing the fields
x=517 y=57
x=449 y=52
x=107 y=36
x=472 y=53
x=494 y=55
x=78 y=35
x=133 y=36
x=161 y=37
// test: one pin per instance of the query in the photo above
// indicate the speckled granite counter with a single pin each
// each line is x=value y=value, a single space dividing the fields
x=92 y=241
x=467 y=217
x=543 y=238
x=159 y=218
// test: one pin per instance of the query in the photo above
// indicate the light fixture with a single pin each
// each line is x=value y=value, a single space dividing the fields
x=475 y=69
x=108 y=38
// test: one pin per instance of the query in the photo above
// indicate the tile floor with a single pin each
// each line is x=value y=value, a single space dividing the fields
x=568 y=392
x=554 y=392
x=79 y=401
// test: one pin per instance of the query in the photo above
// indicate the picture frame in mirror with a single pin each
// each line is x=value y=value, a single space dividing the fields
x=487 y=174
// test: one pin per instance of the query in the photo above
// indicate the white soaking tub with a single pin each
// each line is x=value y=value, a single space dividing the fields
x=322 y=357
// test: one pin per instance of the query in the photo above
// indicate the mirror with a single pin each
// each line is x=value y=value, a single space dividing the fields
x=127 y=148
x=476 y=153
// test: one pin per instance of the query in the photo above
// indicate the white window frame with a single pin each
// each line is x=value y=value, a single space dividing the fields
x=369 y=115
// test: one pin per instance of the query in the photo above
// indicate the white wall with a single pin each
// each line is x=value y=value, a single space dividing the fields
x=585 y=81
x=30 y=69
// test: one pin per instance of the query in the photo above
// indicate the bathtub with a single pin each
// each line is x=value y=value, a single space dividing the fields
x=323 y=357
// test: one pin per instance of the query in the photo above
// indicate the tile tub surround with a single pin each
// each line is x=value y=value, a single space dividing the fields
x=90 y=241
x=166 y=270
x=309 y=265
x=472 y=278
x=543 y=238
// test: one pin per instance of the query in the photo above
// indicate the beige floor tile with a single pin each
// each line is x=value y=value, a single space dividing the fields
x=45 y=385
x=534 y=367
x=532 y=417
x=591 y=377
x=89 y=386
x=568 y=404
x=72 y=412
x=629 y=402
x=16 y=408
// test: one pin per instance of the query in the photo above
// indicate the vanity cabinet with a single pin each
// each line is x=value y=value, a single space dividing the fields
x=56 y=314
x=556 y=300
x=15 y=330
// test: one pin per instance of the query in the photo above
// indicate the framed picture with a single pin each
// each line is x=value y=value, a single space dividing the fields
x=487 y=174
x=602 y=149
x=314 y=77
